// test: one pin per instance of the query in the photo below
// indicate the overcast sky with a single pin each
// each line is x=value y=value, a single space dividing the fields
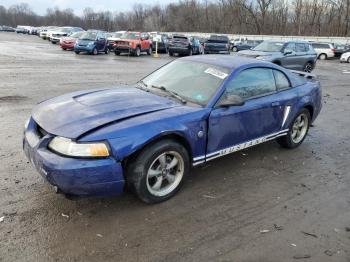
x=40 y=6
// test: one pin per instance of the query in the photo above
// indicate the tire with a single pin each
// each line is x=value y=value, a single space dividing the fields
x=149 y=51
x=77 y=52
x=64 y=48
x=106 y=51
x=150 y=171
x=348 y=59
x=190 y=52
x=235 y=49
x=288 y=141
x=308 y=67
x=137 y=52
x=116 y=53
x=94 y=51
x=322 y=57
x=171 y=54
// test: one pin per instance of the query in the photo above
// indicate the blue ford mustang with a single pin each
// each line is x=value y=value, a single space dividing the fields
x=147 y=136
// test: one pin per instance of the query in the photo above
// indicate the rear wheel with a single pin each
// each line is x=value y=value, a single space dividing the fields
x=308 y=67
x=322 y=57
x=348 y=59
x=116 y=53
x=107 y=51
x=235 y=49
x=190 y=52
x=77 y=52
x=149 y=51
x=297 y=130
x=158 y=171
x=64 y=48
x=171 y=53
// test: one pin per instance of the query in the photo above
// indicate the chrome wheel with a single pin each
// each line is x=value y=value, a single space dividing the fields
x=165 y=173
x=299 y=128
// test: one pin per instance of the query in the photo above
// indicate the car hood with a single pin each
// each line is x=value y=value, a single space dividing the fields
x=75 y=114
x=253 y=53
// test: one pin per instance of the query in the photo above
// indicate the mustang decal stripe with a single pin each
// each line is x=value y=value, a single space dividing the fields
x=235 y=148
x=286 y=114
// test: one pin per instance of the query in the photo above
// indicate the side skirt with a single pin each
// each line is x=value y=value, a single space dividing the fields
x=201 y=159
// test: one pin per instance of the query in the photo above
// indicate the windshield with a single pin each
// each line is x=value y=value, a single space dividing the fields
x=77 y=34
x=89 y=36
x=193 y=81
x=269 y=47
x=131 y=36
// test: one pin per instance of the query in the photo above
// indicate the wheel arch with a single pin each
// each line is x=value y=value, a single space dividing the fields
x=176 y=136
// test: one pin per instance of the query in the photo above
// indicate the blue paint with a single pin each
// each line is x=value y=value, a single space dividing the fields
x=128 y=118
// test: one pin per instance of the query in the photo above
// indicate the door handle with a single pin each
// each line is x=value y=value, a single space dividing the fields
x=275 y=104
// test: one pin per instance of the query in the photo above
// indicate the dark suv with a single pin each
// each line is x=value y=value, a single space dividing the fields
x=296 y=55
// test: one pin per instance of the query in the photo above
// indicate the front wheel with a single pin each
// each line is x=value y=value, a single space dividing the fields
x=116 y=53
x=77 y=52
x=158 y=171
x=235 y=49
x=106 y=51
x=297 y=130
x=137 y=51
x=94 y=51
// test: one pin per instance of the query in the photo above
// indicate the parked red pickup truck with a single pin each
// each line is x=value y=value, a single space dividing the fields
x=133 y=43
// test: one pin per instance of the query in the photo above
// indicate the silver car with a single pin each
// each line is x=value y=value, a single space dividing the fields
x=295 y=55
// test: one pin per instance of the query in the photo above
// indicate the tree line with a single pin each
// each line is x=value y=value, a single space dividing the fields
x=278 y=17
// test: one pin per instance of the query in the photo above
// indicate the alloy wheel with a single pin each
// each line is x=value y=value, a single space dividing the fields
x=165 y=173
x=299 y=128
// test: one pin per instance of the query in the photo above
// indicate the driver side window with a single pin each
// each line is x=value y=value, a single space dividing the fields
x=252 y=83
x=290 y=47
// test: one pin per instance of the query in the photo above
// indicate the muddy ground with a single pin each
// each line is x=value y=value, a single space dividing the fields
x=217 y=216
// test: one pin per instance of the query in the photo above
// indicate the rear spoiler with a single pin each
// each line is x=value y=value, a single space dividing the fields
x=304 y=74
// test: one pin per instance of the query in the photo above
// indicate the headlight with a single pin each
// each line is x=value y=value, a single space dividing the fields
x=68 y=147
x=90 y=43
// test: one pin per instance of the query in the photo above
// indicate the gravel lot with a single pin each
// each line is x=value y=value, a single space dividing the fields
x=223 y=207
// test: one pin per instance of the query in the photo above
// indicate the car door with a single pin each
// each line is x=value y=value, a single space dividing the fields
x=290 y=59
x=101 y=41
x=260 y=117
x=301 y=55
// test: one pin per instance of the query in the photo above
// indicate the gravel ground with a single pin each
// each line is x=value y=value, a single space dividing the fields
x=222 y=210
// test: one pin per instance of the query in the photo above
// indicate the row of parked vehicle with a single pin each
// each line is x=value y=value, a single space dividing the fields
x=296 y=55
x=323 y=50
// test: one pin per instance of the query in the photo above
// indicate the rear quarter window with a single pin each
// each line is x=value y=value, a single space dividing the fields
x=282 y=81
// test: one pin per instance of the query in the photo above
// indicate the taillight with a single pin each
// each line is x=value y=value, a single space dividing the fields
x=333 y=50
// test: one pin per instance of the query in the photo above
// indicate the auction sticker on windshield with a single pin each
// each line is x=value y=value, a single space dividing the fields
x=215 y=72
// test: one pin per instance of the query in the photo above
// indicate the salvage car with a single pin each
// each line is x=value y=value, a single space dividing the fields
x=133 y=43
x=324 y=50
x=62 y=32
x=160 y=42
x=295 y=55
x=113 y=37
x=345 y=57
x=217 y=44
x=245 y=45
x=92 y=42
x=147 y=136
x=67 y=43
x=185 y=45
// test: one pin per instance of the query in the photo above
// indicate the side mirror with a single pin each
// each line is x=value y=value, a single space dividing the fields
x=231 y=100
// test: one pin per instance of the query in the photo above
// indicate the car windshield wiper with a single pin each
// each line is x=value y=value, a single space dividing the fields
x=141 y=84
x=172 y=93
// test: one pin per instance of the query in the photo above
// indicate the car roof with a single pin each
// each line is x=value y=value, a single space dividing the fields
x=228 y=61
